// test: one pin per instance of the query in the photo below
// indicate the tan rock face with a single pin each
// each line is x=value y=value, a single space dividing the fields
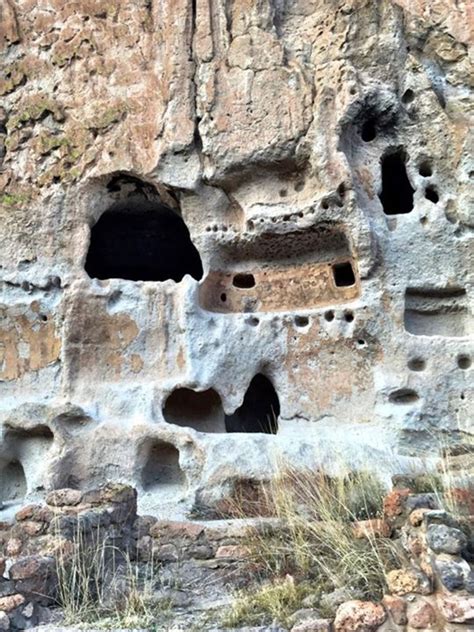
x=265 y=204
x=359 y=616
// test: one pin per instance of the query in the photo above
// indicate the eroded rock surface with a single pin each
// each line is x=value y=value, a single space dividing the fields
x=233 y=233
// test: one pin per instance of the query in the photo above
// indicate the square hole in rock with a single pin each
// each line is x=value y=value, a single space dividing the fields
x=343 y=274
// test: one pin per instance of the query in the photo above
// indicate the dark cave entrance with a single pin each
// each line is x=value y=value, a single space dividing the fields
x=140 y=240
x=259 y=411
x=343 y=274
x=397 y=192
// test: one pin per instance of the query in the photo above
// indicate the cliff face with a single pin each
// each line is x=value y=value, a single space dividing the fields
x=233 y=233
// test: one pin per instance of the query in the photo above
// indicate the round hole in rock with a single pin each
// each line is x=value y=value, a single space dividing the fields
x=343 y=274
x=243 y=281
x=329 y=315
x=408 y=96
x=223 y=297
x=161 y=467
x=253 y=321
x=416 y=364
x=431 y=194
x=259 y=411
x=348 y=316
x=403 y=396
x=12 y=482
x=425 y=169
x=201 y=410
x=299 y=186
x=464 y=362
x=301 y=321
x=139 y=240
x=369 y=131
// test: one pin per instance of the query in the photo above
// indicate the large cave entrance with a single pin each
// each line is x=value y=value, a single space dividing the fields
x=141 y=240
x=259 y=411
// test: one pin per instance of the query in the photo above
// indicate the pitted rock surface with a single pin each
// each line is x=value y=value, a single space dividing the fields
x=233 y=234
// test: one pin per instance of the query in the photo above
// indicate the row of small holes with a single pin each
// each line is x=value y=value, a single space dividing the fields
x=303 y=321
x=418 y=364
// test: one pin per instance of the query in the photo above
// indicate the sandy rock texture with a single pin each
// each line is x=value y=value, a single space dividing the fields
x=233 y=234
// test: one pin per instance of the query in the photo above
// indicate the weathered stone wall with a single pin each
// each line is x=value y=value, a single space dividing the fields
x=318 y=153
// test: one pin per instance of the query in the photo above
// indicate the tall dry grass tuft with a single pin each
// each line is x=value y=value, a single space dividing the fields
x=99 y=584
x=316 y=547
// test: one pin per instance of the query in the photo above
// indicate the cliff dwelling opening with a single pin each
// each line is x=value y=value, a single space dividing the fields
x=12 y=482
x=343 y=274
x=28 y=450
x=199 y=410
x=431 y=194
x=288 y=271
x=259 y=411
x=369 y=130
x=244 y=281
x=161 y=468
x=397 y=193
x=437 y=312
x=139 y=240
x=425 y=169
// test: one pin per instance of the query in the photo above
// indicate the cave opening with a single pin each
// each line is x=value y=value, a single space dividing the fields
x=397 y=193
x=243 y=281
x=343 y=274
x=431 y=194
x=259 y=411
x=369 y=130
x=139 y=240
x=201 y=410
x=13 y=485
x=161 y=467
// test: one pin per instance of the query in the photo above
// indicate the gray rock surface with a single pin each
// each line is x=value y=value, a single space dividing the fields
x=443 y=539
x=318 y=153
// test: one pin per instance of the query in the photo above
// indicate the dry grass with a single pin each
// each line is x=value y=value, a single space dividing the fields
x=98 y=584
x=273 y=601
x=317 y=552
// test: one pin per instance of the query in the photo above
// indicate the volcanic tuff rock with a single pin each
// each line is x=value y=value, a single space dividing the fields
x=233 y=234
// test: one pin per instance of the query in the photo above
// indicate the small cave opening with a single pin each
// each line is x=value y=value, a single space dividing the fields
x=343 y=274
x=408 y=96
x=425 y=169
x=369 y=130
x=397 y=193
x=403 y=396
x=12 y=482
x=243 y=281
x=201 y=410
x=140 y=240
x=161 y=467
x=259 y=411
x=431 y=194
